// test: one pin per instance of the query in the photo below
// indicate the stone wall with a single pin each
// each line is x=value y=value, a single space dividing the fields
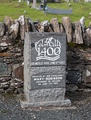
x=12 y=41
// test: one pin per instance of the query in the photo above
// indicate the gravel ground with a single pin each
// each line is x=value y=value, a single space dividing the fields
x=10 y=109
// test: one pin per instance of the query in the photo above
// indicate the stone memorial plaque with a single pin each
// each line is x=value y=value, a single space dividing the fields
x=48 y=49
x=44 y=70
x=43 y=81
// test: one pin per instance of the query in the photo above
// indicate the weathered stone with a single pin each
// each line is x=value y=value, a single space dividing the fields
x=73 y=76
x=4 y=85
x=2 y=29
x=78 y=33
x=5 y=70
x=88 y=31
x=5 y=79
x=87 y=55
x=87 y=37
x=6 y=39
x=20 y=90
x=19 y=73
x=10 y=90
x=16 y=83
x=32 y=26
x=61 y=28
x=8 y=22
x=14 y=30
x=82 y=22
x=89 y=86
x=71 y=88
x=88 y=74
x=3 y=46
x=46 y=26
x=76 y=62
x=40 y=27
x=2 y=90
x=22 y=26
x=55 y=25
x=68 y=28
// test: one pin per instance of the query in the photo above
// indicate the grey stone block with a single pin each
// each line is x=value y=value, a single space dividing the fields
x=44 y=82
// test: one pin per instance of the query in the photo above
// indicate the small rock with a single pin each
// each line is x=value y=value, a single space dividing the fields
x=71 y=88
x=82 y=22
x=8 y=22
x=88 y=85
x=55 y=25
x=2 y=29
x=68 y=28
x=14 y=30
x=78 y=33
x=10 y=90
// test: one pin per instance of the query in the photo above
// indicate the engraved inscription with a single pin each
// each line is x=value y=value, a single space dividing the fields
x=48 y=49
x=47 y=81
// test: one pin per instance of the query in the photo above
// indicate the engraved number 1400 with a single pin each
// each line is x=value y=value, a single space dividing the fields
x=49 y=51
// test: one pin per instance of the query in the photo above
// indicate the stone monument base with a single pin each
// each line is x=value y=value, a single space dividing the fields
x=53 y=97
x=62 y=103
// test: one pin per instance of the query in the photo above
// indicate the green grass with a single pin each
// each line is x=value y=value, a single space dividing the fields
x=14 y=9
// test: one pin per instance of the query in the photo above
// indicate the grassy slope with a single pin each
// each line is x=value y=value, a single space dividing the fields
x=14 y=9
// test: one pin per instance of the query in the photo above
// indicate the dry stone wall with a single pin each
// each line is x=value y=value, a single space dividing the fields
x=12 y=41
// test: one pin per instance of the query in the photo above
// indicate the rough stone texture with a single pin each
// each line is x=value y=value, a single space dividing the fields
x=61 y=103
x=87 y=37
x=2 y=29
x=78 y=33
x=44 y=95
x=9 y=85
x=22 y=22
x=19 y=73
x=68 y=28
x=82 y=22
x=55 y=25
x=88 y=74
x=32 y=26
x=14 y=30
x=61 y=28
x=71 y=88
x=5 y=69
x=76 y=61
x=8 y=22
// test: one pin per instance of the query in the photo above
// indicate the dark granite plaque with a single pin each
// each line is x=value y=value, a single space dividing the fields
x=48 y=49
x=42 y=81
